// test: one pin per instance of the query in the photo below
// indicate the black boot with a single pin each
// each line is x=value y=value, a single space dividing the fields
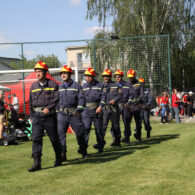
x=95 y=146
x=37 y=164
x=101 y=146
x=137 y=137
x=83 y=152
x=116 y=142
x=148 y=134
x=63 y=155
x=58 y=161
x=125 y=140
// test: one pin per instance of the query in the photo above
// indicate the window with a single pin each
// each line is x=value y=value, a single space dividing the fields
x=79 y=59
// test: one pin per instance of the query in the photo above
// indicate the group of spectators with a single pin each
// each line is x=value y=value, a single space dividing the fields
x=14 y=105
x=182 y=105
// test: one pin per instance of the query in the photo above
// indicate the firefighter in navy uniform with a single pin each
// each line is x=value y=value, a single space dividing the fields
x=71 y=105
x=124 y=89
x=111 y=109
x=145 y=109
x=43 y=99
x=136 y=93
x=95 y=101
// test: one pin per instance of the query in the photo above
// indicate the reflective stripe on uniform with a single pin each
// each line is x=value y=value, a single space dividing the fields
x=61 y=89
x=34 y=90
x=84 y=89
x=131 y=100
x=125 y=87
x=69 y=89
x=96 y=88
x=72 y=89
x=113 y=87
x=136 y=84
x=103 y=102
x=80 y=107
x=48 y=89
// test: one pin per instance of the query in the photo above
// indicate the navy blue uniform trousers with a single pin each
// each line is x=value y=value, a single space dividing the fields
x=114 y=116
x=64 y=120
x=90 y=116
x=145 y=116
x=39 y=124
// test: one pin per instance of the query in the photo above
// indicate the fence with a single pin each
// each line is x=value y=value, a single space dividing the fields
x=148 y=55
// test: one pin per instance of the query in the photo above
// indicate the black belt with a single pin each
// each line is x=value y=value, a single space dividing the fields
x=92 y=105
x=40 y=109
x=67 y=110
x=110 y=107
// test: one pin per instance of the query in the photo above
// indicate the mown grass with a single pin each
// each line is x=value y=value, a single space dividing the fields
x=163 y=164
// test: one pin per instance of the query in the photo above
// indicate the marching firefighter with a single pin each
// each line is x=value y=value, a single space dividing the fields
x=111 y=109
x=124 y=89
x=95 y=101
x=71 y=105
x=43 y=99
x=135 y=101
x=145 y=109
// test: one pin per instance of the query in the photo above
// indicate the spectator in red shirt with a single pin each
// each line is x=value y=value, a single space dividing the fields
x=165 y=100
x=175 y=105
x=184 y=100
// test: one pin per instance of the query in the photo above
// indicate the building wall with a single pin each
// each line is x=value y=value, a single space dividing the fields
x=77 y=57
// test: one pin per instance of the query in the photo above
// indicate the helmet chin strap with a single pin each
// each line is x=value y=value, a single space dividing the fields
x=42 y=80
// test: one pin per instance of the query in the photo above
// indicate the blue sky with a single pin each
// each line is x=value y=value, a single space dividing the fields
x=43 y=20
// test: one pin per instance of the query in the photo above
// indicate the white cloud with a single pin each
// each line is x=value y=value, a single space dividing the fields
x=96 y=29
x=75 y=2
x=4 y=39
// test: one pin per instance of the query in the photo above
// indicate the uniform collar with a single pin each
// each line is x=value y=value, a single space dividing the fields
x=44 y=84
x=121 y=83
x=67 y=84
x=94 y=82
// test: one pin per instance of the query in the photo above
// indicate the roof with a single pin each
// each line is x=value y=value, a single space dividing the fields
x=5 y=61
x=10 y=59
x=76 y=47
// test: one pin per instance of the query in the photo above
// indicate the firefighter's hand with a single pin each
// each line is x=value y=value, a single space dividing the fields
x=98 y=110
x=112 y=102
x=75 y=113
x=46 y=111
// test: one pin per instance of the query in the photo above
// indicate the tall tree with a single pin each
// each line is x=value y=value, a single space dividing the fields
x=143 y=17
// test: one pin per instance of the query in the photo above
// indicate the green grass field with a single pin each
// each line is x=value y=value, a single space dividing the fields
x=163 y=164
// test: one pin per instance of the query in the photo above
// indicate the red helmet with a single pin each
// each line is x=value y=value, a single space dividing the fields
x=90 y=72
x=119 y=72
x=41 y=65
x=131 y=73
x=107 y=73
x=141 y=80
x=66 y=68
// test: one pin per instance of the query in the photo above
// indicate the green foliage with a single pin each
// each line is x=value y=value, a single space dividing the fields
x=135 y=18
x=51 y=60
x=163 y=164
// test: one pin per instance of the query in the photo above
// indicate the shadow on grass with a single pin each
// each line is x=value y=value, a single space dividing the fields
x=114 y=153
x=157 y=139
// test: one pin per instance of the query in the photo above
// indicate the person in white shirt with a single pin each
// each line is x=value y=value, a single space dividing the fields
x=15 y=102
